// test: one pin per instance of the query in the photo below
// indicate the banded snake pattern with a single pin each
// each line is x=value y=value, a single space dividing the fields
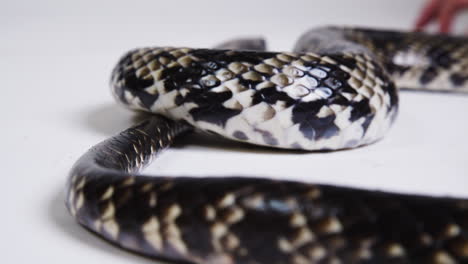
x=338 y=89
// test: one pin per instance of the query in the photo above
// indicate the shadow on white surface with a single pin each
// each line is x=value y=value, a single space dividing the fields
x=109 y=119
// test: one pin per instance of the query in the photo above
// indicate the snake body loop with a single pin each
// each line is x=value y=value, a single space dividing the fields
x=336 y=90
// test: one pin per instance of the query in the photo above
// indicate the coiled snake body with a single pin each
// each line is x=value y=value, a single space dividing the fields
x=336 y=90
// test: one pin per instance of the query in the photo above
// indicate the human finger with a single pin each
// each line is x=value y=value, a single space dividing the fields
x=429 y=13
x=446 y=16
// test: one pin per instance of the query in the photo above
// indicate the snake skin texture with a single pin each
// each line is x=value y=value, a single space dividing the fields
x=336 y=90
x=285 y=100
x=417 y=61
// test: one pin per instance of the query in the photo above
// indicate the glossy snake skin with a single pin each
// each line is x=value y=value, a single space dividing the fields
x=336 y=90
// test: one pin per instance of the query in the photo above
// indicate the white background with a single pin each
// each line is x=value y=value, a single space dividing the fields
x=55 y=62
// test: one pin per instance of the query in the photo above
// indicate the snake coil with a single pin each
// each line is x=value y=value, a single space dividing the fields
x=336 y=90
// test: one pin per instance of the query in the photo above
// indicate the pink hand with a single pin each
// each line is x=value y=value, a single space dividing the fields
x=443 y=11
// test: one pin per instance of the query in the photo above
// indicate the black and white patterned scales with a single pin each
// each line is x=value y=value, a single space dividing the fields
x=338 y=89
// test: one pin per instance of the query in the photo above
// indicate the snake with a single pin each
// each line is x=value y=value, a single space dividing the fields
x=338 y=89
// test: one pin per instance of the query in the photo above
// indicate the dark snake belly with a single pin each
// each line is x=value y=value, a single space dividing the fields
x=337 y=90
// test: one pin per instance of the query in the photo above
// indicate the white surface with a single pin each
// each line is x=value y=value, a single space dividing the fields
x=55 y=60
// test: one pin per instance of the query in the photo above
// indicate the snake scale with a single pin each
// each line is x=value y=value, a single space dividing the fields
x=337 y=90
